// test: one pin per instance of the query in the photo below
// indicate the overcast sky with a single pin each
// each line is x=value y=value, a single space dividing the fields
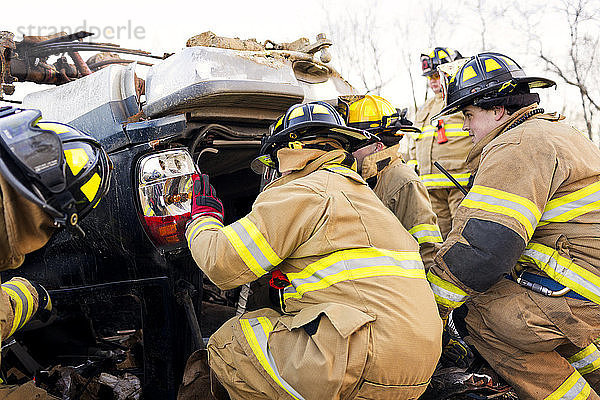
x=166 y=25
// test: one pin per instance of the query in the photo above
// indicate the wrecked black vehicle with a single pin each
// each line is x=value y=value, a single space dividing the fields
x=125 y=293
x=131 y=304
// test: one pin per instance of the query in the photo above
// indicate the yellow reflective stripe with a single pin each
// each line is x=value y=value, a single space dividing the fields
x=246 y=239
x=587 y=360
x=18 y=311
x=148 y=211
x=505 y=203
x=51 y=126
x=574 y=388
x=201 y=224
x=76 y=159
x=441 y=180
x=90 y=188
x=572 y=205
x=257 y=331
x=412 y=162
x=446 y=293
x=251 y=246
x=260 y=241
x=23 y=303
x=348 y=172
x=28 y=296
x=353 y=264
x=450 y=130
x=563 y=270
x=426 y=233
x=429 y=239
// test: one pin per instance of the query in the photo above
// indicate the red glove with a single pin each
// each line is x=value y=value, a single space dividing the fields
x=205 y=202
x=278 y=279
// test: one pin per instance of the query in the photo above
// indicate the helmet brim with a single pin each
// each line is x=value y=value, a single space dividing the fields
x=259 y=164
x=407 y=128
x=458 y=105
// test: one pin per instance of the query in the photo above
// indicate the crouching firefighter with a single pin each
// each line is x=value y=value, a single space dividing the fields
x=383 y=168
x=524 y=246
x=359 y=320
x=51 y=175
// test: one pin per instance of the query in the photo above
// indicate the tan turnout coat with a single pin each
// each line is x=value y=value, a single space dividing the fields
x=541 y=180
x=24 y=228
x=400 y=189
x=360 y=319
x=451 y=155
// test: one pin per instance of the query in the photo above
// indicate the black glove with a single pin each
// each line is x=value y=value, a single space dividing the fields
x=44 y=310
x=455 y=351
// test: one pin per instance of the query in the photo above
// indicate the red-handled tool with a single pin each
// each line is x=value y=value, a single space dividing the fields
x=441 y=132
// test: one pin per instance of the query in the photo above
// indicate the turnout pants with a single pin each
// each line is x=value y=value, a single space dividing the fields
x=444 y=203
x=27 y=391
x=313 y=362
x=542 y=346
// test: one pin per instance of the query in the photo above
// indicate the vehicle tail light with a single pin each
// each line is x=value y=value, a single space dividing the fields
x=165 y=191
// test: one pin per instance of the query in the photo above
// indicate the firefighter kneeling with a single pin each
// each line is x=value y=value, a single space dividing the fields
x=51 y=176
x=360 y=319
x=524 y=246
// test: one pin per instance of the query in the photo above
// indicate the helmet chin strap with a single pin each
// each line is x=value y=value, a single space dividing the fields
x=70 y=218
x=525 y=117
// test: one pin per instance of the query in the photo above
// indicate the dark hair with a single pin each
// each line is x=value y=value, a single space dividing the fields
x=520 y=97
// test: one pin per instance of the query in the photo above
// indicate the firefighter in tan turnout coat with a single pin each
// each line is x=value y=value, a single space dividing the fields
x=28 y=219
x=524 y=247
x=359 y=318
x=393 y=181
x=441 y=139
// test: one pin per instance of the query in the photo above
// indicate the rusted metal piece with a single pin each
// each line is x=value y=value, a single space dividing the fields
x=303 y=45
x=66 y=38
x=82 y=67
x=140 y=86
x=100 y=64
x=57 y=48
x=7 y=45
x=40 y=73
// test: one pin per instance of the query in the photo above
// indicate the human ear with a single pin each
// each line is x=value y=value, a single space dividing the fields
x=499 y=113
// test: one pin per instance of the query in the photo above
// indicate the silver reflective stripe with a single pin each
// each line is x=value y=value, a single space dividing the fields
x=337 y=267
x=575 y=390
x=344 y=171
x=562 y=270
x=198 y=228
x=446 y=294
x=420 y=234
x=555 y=212
x=485 y=198
x=251 y=245
x=262 y=338
x=586 y=361
x=24 y=302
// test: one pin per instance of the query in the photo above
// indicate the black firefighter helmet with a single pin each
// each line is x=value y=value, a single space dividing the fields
x=488 y=79
x=432 y=59
x=57 y=167
x=308 y=121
